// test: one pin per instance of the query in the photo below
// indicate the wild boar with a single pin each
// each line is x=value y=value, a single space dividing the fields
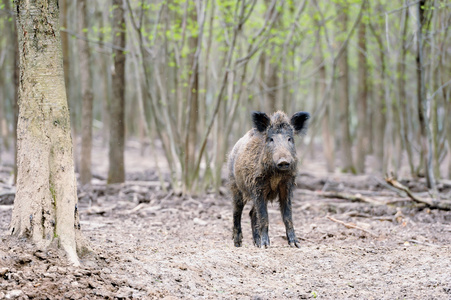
x=262 y=167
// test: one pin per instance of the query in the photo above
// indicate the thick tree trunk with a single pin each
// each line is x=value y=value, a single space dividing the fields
x=116 y=173
x=86 y=90
x=343 y=93
x=45 y=207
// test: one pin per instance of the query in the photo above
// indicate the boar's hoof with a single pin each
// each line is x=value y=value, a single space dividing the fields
x=294 y=243
x=264 y=242
x=237 y=239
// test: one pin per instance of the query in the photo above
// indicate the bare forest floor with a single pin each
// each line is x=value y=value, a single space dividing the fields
x=154 y=244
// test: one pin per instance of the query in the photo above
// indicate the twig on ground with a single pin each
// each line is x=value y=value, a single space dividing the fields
x=350 y=225
x=422 y=243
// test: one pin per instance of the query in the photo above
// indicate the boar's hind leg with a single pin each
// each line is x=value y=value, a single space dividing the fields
x=238 y=206
x=285 y=209
x=261 y=222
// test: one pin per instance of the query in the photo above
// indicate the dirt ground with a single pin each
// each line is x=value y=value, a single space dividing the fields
x=149 y=244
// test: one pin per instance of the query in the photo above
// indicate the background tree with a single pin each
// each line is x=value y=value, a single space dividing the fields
x=343 y=89
x=362 y=97
x=45 y=207
x=116 y=171
x=423 y=101
x=86 y=90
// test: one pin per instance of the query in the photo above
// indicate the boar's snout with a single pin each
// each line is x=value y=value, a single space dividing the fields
x=283 y=164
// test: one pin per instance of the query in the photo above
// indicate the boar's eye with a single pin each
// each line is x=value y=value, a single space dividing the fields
x=270 y=140
x=290 y=139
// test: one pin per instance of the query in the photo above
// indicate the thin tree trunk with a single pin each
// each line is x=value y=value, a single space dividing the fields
x=362 y=101
x=86 y=90
x=343 y=93
x=380 y=106
x=15 y=63
x=193 y=109
x=116 y=173
x=272 y=79
x=425 y=131
x=106 y=83
x=404 y=105
x=46 y=197
x=327 y=137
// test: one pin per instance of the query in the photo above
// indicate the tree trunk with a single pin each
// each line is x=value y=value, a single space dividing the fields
x=379 y=107
x=105 y=74
x=116 y=173
x=405 y=126
x=327 y=137
x=193 y=91
x=343 y=93
x=86 y=90
x=15 y=64
x=45 y=207
x=272 y=65
x=362 y=102
x=425 y=132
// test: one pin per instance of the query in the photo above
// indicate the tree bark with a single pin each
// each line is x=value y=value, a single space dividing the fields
x=45 y=207
x=86 y=90
x=343 y=92
x=116 y=173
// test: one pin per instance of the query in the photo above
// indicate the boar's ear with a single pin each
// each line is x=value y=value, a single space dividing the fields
x=261 y=120
x=299 y=121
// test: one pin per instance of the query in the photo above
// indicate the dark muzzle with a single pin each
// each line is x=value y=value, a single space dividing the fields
x=283 y=164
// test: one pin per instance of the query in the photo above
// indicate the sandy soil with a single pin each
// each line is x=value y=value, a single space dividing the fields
x=154 y=244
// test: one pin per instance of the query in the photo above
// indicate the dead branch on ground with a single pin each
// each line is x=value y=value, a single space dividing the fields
x=431 y=203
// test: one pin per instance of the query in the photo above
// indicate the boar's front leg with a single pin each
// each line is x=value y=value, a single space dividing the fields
x=238 y=205
x=285 y=195
x=255 y=226
x=262 y=221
